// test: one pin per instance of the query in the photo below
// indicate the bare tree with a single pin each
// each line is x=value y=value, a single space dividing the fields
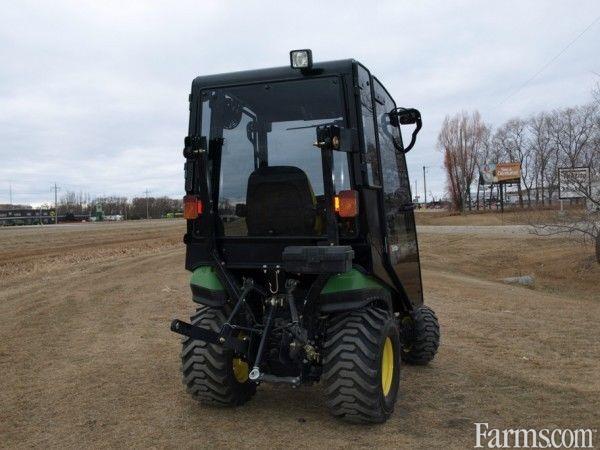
x=541 y=148
x=157 y=207
x=572 y=131
x=453 y=180
x=461 y=139
x=74 y=203
x=510 y=141
x=484 y=154
x=112 y=205
x=576 y=136
x=594 y=157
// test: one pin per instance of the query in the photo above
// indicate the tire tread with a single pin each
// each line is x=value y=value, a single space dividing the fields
x=205 y=368
x=351 y=365
x=425 y=337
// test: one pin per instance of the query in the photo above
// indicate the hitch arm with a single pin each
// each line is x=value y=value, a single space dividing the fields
x=202 y=334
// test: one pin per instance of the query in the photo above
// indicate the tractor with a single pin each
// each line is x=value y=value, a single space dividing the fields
x=301 y=238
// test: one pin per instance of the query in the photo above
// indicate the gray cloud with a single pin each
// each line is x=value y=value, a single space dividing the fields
x=94 y=96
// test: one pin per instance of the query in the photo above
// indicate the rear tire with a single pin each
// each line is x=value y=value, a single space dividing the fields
x=361 y=365
x=210 y=372
x=422 y=336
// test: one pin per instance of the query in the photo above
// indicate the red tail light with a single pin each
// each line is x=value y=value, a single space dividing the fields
x=192 y=207
x=346 y=204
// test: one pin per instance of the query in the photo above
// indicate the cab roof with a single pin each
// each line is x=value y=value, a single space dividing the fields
x=328 y=68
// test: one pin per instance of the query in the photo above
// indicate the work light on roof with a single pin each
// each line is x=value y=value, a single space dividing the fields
x=301 y=59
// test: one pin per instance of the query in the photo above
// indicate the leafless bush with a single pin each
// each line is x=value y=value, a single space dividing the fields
x=581 y=224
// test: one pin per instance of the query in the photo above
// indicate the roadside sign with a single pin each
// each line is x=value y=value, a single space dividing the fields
x=508 y=171
x=573 y=182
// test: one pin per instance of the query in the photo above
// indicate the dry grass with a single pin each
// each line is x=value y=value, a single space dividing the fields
x=559 y=265
x=512 y=217
x=87 y=359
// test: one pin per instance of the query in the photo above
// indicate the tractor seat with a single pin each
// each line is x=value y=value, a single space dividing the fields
x=280 y=202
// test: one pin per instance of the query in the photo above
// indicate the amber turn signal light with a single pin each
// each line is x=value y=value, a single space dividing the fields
x=192 y=207
x=346 y=204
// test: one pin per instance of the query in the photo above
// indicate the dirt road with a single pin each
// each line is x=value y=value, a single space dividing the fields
x=87 y=359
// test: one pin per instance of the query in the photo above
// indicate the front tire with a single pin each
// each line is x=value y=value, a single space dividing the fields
x=421 y=332
x=361 y=365
x=211 y=372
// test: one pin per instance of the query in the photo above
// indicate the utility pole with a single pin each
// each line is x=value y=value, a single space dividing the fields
x=10 y=192
x=425 y=186
x=55 y=204
x=417 y=191
x=147 y=214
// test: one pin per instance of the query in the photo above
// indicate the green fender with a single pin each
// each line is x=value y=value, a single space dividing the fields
x=350 y=281
x=352 y=290
x=206 y=287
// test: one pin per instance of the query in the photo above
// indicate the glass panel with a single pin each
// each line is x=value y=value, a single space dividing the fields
x=341 y=178
x=270 y=178
x=237 y=163
x=288 y=145
x=395 y=173
x=368 y=124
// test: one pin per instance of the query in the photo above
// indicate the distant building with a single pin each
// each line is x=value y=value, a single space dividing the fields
x=26 y=216
x=511 y=195
x=6 y=206
x=113 y=217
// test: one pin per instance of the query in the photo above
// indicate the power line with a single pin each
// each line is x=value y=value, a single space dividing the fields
x=545 y=66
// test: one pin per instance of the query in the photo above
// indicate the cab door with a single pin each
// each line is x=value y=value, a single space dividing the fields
x=400 y=242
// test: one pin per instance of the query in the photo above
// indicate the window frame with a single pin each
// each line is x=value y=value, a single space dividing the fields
x=370 y=181
x=347 y=120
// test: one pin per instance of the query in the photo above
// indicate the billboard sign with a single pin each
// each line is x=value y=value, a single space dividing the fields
x=506 y=172
x=500 y=173
x=487 y=174
x=573 y=182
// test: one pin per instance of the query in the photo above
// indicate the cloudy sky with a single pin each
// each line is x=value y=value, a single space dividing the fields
x=93 y=96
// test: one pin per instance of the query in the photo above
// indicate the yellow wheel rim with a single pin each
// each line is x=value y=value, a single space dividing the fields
x=240 y=370
x=387 y=366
